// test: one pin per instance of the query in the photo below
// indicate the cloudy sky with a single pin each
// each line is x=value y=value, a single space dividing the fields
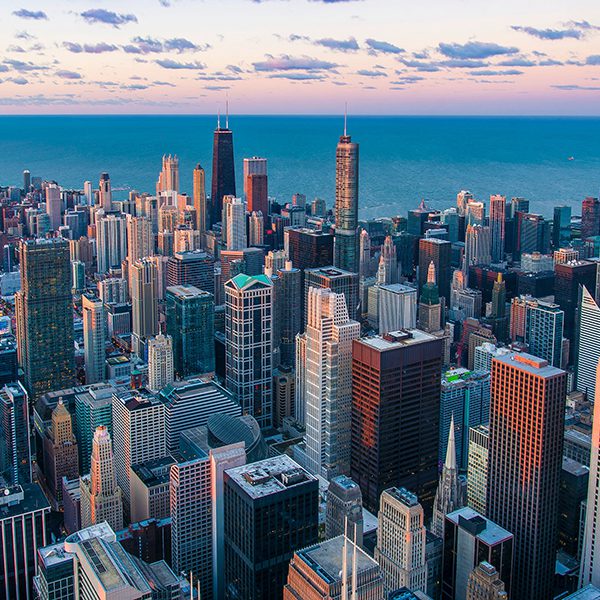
x=301 y=56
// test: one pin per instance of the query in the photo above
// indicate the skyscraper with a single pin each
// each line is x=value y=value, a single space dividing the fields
x=590 y=217
x=450 y=494
x=527 y=411
x=477 y=247
x=140 y=239
x=344 y=510
x=338 y=281
x=477 y=471
x=190 y=323
x=485 y=584
x=15 y=438
x=430 y=308
x=111 y=241
x=588 y=350
x=45 y=317
x=101 y=498
x=400 y=549
x=497 y=225
x=327 y=382
x=160 y=362
x=270 y=510
x=94 y=326
x=203 y=216
x=395 y=414
x=236 y=224
x=257 y=194
x=53 y=205
x=288 y=304
x=253 y=166
x=388 y=271
x=590 y=557
x=144 y=303
x=397 y=307
x=223 y=169
x=168 y=180
x=438 y=251
x=248 y=334
x=561 y=226
x=256 y=229
x=105 y=193
x=346 y=204
x=309 y=249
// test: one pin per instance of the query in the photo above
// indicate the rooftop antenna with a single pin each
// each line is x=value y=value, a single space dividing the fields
x=198 y=584
x=345 y=563
x=227 y=112
x=345 y=119
x=191 y=587
x=354 y=566
x=219 y=118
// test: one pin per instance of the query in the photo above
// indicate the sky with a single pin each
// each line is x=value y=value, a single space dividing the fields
x=463 y=57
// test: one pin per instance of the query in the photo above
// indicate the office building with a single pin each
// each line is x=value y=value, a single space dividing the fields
x=60 y=454
x=397 y=307
x=544 y=331
x=450 y=494
x=568 y=278
x=111 y=241
x=255 y=166
x=475 y=212
x=477 y=468
x=94 y=328
x=485 y=584
x=223 y=169
x=430 y=307
x=477 y=247
x=257 y=195
x=338 y=281
x=235 y=219
x=497 y=227
x=587 y=350
x=150 y=495
x=248 y=327
x=400 y=549
x=113 y=290
x=43 y=314
x=327 y=383
x=192 y=268
x=284 y=395
x=533 y=234
x=91 y=563
x=469 y=539
x=160 y=362
x=395 y=414
x=186 y=239
x=190 y=404
x=190 y=324
x=388 y=271
x=561 y=226
x=344 y=510
x=53 y=205
x=527 y=410
x=309 y=248
x=535 y=262
x=289 y=306
x=144 y=303
x=270 y=510
x=346 y=204
x=8 y=360
x=574 y=483
x=140 y=239
x=334 y=568
x=590 y=558
x=23 y=511
x=256 y=229
x=203 y=216
x=139 y=433
x=101 y=497
x=590 y=217
x=15 y=457
x=438 y=251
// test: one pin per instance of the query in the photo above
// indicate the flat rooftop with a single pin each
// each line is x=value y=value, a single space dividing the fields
x=529 y=363
x=32 y=500
x=397 y=339
x=325 y=559
x=574 y=468
x=270 y=476
x=589 y=592
x=187 y=291
x=330 y=272
x=491 y=535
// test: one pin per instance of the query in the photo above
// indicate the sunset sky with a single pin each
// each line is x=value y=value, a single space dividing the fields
x=301 y=56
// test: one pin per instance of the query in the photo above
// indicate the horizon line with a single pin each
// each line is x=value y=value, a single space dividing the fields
x=337 y=115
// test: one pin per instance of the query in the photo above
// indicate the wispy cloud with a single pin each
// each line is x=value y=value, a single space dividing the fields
x=549 y=34
x=384 y=47
x=148 y=45
x=23 y=67
x=173 y=64
x=297 y=76
x=98 y=48
x=475 y=50
x=594 y=59
x=36 y=15
x=492 y=73
x=349 y=45
x=290 y=63
x=108 y=17
x=65 y=74
x=574 y=87
x=369 y=73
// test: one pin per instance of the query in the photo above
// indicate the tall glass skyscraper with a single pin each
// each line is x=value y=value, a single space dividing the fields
x=588 y=350
x=223 y=169
x=346 y=204
x=497 y=226
x=45 y=316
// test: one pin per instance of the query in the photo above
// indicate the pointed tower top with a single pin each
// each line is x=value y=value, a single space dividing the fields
x=499 y=280
x=451 y=450
x=431 y=273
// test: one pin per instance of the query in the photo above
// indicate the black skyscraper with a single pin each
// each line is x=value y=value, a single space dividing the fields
x=223 y=169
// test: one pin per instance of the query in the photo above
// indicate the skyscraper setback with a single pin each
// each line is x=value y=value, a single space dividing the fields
x=223 y=169
x=346 y=204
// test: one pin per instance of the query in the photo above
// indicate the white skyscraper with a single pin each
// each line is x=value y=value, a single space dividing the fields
x=144 y=302
x=140 y=239
x=256 y=229
x=590 y=556
x=588 y=349
x=105 y=192
x=397 y=307
x=160 y=362
x=53 y=205
x=88 y=191
x=364 y=266
x=477 y=246
x=235 y=218
x=328 y=382
x=168 y=180
x=388 y=271
x=111 y=241
x=400 y=549
x=94 y=327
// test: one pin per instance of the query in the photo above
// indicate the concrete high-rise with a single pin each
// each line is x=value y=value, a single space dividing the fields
x=485 y=584
x=587 y=350
x=397 y=307
x=477 y=247
x=44 y=316
x=194 y=268
x=203 y=216
x=477 y=469
x=140 y=239
x=430 y=307
x=346 y=204
x=111 y=241
x=256 y=229
x=223 y=169
x=388 y=271
x=527 y=411
x=309 y=249
x=395 y=414
x=270 y=510
x=338 y=281
x=590 y=217
x=15 y=435
x=105 y=193
x=344 y=510
x=590 y=556
x=94 y=336
x=53 y=205
x=191 y=325
x=497 y=227
x=400 y=549
x=289 y=307
x=160 y=362
x=144 y=303
x=253 y=166
x=248 y=347
x=236 y=224
x=328 y=383
x=168 y=180
x=101 y=498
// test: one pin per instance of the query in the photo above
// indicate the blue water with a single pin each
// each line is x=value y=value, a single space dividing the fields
x=402 y=159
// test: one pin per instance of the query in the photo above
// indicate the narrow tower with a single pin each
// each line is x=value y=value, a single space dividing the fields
x=223 y=168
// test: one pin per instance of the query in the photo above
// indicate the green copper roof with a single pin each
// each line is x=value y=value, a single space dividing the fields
x=242 y=280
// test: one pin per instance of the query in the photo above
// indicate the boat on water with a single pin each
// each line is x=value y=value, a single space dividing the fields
x=571 y=158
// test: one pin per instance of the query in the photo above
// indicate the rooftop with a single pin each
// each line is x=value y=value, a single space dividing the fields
x=22 y=499
x=398 y=339
x=155 y=472
x=589 y=592
x=325 y=559
x=187 y=291
x=269 y=476
x=530 y=364
x=574 y=468
x=331 y=272
x=488 y=532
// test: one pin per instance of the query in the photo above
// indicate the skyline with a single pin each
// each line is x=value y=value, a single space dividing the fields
x=300 y=57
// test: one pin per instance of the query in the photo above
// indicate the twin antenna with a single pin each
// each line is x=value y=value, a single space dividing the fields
x=344 y=573
x=226 y=115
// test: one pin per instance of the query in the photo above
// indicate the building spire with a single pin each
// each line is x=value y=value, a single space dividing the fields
x=451 y=449
x=431 y=273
